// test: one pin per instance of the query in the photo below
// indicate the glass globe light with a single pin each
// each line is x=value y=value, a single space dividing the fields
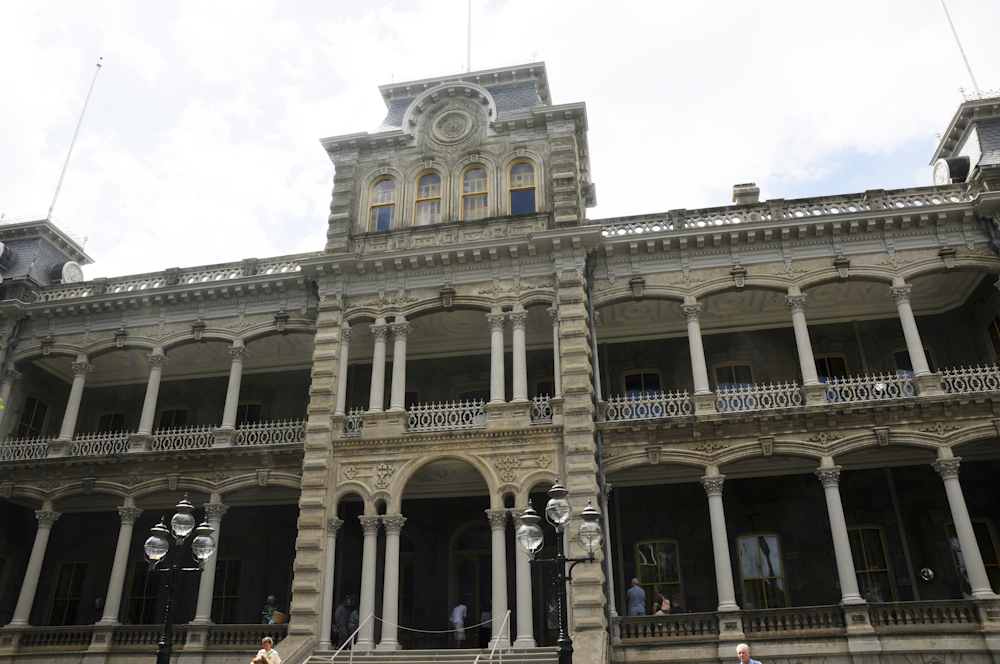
x=590 y=534
x=529 y=534
x=156 y=545
x=558 y=510
x=183 y=523
x=203 y=546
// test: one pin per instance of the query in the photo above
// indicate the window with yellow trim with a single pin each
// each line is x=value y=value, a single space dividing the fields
x=226 y=594
x=871 y=564
x=474 y=194
x=173 y=418
x=522 y=188
x=383 y=209
x=248 y=413
x=763 y=575
x=658 y=568
x=428 y=200
x=987 y=549
x=111 y=422
x=32 y=423
x=993 y=331
x=67 y=594
x=642 y=384
x=831 y=366
x=143 y=594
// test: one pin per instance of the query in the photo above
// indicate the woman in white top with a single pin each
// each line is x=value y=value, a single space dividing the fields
x=267 y=654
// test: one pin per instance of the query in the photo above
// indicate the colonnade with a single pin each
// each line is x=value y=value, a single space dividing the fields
x=828 y=474
x=400 y=329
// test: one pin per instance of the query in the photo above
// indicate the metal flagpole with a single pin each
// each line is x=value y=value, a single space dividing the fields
x=468 y=43
x=73 y=142
x=960 y=49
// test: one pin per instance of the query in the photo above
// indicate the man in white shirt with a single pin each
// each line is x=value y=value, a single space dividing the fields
x=458 y=623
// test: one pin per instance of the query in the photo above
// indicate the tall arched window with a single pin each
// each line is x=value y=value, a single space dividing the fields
x=383 y=205
x=474 y=194
x=522 y=188
x=428 y=200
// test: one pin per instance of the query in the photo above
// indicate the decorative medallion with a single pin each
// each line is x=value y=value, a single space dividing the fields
x=453 y=126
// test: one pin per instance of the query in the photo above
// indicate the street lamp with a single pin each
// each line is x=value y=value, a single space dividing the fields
x=156 y=548
x=559 y=513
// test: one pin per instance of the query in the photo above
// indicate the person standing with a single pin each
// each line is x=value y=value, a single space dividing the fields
x=635 y=599
x=485 y=626
x=267 y=654
x=743 y=652
x=342 y=619
x=269 y=609
x=458 y=623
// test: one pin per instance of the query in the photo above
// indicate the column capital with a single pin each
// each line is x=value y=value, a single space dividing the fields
x=496 y=321
x=692 y=312
x=400 y=330
x=518 y=319
x=497 y=518
x=215 y=511
x=46 y=518
x=829 y=476
x=82 y=368
x=129 y=514
x=947 y=468
x=333 y=526
x=393 y=523
x=553 y=315
x=11 y=376
x=157 y=361
x=713 y=484
x=239 y=353
x=795 y=303
x=346 y=334
x=369 y=524
x=380 y=332
x=515 y=515
x=900 y=294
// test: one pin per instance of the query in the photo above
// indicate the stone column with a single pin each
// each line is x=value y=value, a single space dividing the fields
x=377 y=395
x=900 y=294
x=29 y=583
x=397 y=396
x=498 y=528
x=557 y=374
x=518 y=321
x=795 y=302
x=214 y=511
x=704 y=400
x=329 y=565
x=947 y=468
x=10 y=376
x=829 y=475
x=498 y=388
x=113 y=600
x=522 y=569
x=81 y=369
x=393 y=523
x=720 y=543
x=157 y=360
x=239 y=353
x=366 y=608
x=345 y=346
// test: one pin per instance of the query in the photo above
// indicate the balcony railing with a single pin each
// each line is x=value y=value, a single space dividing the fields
x=648 y=406
x=99 y=444
x=271 y=433
x=701 y=626
x=541 y=410
x=238 y=638
x=800 y=619
x=24 y=449
x=449 y=416
x=971 y=380
x=758 y=397
x=905 y=614
x=869 y=388
x=354 y=424
x=184 y=438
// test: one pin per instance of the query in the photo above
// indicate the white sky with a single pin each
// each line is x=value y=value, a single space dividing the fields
x=200 y=142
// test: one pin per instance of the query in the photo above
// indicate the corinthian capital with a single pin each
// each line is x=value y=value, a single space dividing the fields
x=497 y=518
x=900 y=294
x=496 y=321
x=692 y=312
x=519 y=319
x=129 y=514
x=380 y=332
x=393 y=523
x=82 y=368
x=401 y=330
x=795 y=302
x=369 y=524
x=346 y=334
x=947 y=468
x=239 y=353
x=11 y=376
x=829 y=476
x=215 y=511
x=713 y=485
x=46 y=518
x=333 y=526
x=157 y=361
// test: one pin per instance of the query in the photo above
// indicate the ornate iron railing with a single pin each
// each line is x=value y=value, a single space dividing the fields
x=271 y=433
x=184 y=438
x=100 y=444
x=541 y=410
x=798 y=619
x=879 y=387
x=354 y=424
x=446 y=416
x=758 y=397
x=648 y=406
x=971 y=380
x=24 y=449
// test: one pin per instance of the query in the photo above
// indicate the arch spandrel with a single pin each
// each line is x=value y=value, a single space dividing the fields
x=409 y=468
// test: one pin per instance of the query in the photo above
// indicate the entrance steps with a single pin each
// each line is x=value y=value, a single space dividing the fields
x=453 y=656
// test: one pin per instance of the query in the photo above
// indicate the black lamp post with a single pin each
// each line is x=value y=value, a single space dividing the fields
x=559 y=513
x=156 y=548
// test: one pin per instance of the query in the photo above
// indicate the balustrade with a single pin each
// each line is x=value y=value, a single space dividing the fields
x=971 y=380
x=669 y=627
x=96 y=444
x=354 y=424
x=271 y=433
x=184 y=438
x=923 y=614
x=446 y=416
x=25 y=449
x=652 y=406
x=799 y=619
x=541 y=410
x=758 y=397
x=879 y=387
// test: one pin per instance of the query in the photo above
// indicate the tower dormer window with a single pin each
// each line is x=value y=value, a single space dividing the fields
x=522 y=188
x=428 y=200
x=383 y=205
x=474 y=193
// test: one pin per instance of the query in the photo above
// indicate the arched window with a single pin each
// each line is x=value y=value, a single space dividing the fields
x=522 y=188
x=474 y=194
x=383 y=205
x=428 y=200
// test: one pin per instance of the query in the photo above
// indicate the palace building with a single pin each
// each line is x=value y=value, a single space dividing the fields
x=786 y=411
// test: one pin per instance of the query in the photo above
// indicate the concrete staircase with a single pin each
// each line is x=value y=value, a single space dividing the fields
x=464 y=656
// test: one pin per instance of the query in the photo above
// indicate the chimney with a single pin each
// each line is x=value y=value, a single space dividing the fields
x=746 y=194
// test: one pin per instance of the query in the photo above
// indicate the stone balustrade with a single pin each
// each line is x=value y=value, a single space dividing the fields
x=648 y=406
x=758 y=397
x=38 y=641
x=971 y=380
x=446 y=416
x=879 y=387
x=271 y=433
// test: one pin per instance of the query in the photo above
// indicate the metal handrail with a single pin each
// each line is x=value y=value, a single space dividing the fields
x=496 y=642
x=350 y=639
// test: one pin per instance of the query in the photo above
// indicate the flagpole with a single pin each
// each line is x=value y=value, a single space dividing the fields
x=73 y=142
x=960 y=49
